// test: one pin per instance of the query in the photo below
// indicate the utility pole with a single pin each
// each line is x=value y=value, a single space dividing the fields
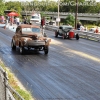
x=58 y=13
x=76 y=14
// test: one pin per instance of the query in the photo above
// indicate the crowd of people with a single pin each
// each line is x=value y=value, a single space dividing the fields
x=15 y=20
x=81 y=27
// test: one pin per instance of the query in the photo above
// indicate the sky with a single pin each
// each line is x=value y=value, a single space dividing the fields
x=27 y=0
x=38 y=0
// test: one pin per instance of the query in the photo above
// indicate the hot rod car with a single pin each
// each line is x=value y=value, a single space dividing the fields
x=66 y=32
x=30 y=36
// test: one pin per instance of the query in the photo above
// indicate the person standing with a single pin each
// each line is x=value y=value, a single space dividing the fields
x=78 y=25
x=11 y=20
x=97 y=30
x=7 y=20
x=43 y=24
x=17 y=20
x=25 y=21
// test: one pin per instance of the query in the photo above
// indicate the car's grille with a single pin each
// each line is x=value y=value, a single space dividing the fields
x=36 y=43
x=34 y=37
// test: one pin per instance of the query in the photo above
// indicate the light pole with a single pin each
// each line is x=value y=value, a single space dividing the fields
x=76 y=14
x=58 y=19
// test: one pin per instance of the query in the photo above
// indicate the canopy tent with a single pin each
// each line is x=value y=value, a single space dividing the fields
x=13 y=14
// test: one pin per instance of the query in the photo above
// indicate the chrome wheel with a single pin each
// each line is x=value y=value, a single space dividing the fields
x=77 y=37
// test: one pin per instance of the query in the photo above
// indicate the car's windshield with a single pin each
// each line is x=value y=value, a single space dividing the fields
x=31 y=30
x=67 y=28
x=37 y=30
x=35 y=17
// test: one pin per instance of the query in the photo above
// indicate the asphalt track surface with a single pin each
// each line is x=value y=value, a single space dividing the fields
x=70 y=71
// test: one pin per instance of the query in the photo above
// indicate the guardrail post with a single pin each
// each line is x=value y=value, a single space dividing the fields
x=5 y=83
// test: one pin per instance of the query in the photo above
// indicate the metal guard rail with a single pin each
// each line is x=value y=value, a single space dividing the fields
x=13 y=94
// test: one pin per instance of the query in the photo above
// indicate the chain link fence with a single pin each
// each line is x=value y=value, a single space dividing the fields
x=6 y=91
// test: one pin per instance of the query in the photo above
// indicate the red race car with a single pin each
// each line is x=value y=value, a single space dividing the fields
x=66 y=32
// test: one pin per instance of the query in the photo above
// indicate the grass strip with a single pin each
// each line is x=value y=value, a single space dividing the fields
x=15 y=84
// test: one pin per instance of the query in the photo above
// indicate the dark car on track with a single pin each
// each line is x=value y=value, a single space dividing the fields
x=30 y=36
x=66 y=32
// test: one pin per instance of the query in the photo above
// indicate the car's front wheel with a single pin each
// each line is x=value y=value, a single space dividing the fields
x=46 y=50
x=64 y=36
x=21 y=50
x=77 y=37
x=13 y=45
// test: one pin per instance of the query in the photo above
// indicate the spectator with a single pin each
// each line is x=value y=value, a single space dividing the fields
x=97 y=30
x=6 y=20
x=25 y=21
x=17 y=20
x=82 y=28
x=85 y=28
x=42 y=22
x=78 y=25
x=11 y=20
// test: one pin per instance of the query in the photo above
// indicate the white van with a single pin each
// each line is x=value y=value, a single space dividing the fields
x=35 y=18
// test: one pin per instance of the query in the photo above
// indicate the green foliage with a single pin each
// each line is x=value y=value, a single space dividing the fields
x=70 y=20
x=48 y=5
x=14 y=83
x=42 y=14
x=2 y=7
x=14 y=6
x=84 y=6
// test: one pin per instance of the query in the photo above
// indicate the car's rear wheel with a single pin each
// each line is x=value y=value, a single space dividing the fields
x=64 y=36
x=77 y=37
x=46 y=50
x=56 y=34
x=13 y=45
x=21 y=50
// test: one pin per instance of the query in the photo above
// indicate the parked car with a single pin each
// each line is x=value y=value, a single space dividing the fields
x=95 y=30
x=92 y=30
x=30 y=36
x=66 y=32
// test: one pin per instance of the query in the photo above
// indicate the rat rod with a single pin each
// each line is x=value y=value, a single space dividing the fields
x=30 y=36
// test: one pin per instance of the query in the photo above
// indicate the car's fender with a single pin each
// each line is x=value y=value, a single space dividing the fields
x=47 y=41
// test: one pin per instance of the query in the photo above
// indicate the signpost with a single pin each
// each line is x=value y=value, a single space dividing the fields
x=57 y=19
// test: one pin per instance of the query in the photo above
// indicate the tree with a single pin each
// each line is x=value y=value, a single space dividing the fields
x=70 y=20
x=14 y=6
x=2 y=7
